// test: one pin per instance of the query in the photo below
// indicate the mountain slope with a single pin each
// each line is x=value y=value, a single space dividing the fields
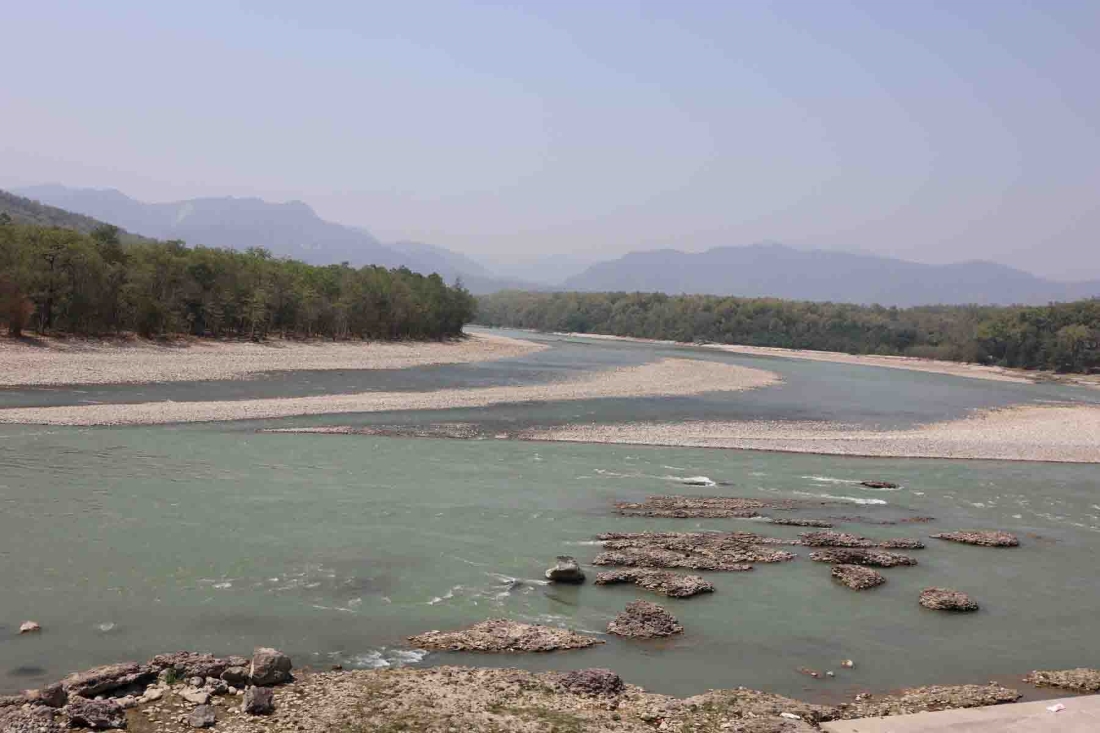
x=290 y=229
x=26 y=211
x=773 y=270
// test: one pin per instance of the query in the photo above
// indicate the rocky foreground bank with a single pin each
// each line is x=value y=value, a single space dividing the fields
x=159 y=696
x=185 y=691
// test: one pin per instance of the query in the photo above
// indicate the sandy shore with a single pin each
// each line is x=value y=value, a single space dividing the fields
x=86 y=361
x=910 y=363
x=668 y=377
x=1065 y=434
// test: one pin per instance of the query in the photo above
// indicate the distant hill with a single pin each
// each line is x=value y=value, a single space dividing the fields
x=774 y=270
x=26 y=211
x=290 y=229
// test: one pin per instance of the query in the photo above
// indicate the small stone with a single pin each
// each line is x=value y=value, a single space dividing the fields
x=204 y=716
x=830 y=673
x=258 y=701
x=847 y=664
x=30 y=627
x=196 y=697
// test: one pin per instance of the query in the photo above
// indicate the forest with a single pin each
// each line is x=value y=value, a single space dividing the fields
x=1063 y=337
x=104 y=282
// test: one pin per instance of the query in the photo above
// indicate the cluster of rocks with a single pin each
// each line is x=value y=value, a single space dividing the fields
x=657 y=581
x=502 y=635
x=644 y=620
x=982 y=538
x=946 y=599
x=860 y=556
x=857 y=577
x=99 y=698
x=1082 y=679
x=844 y=539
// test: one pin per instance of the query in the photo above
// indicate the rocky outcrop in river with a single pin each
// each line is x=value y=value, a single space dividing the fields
x=845 y=539
x=644 y=620
x=946 y=599
x=726 y=551
x=858 y=556
x=672 y=585
x=982 y=538
x=701 y=507
x=502 y=635
x=857 y=577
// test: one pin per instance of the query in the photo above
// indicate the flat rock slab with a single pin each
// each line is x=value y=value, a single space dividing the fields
x=1080 y=715
x=1081 y=679
x=857 y=577
x=982 y=538
x=859 y=556
x=502 y=635
x=644 y=620
x=947 y=599
x=657 y=581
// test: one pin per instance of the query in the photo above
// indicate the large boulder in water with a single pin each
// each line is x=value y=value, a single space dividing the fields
x=565 y=570
x=644 y=620
x=946 y=599
x=269 y=667
x=502 y=635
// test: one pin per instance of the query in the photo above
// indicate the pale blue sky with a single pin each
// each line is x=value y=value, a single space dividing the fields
x=935 y=131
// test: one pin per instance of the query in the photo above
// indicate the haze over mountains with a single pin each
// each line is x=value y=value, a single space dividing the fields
x=293 y=229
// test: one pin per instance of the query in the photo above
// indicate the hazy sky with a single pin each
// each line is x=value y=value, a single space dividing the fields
x=935 y=131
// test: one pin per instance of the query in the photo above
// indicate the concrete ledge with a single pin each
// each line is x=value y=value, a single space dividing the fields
x=1081 y=715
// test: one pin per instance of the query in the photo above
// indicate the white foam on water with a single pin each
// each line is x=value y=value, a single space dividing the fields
x=446 y=596
x=105 y=627
x=585 y=543
x=674 y=468
x=853 y=499
x=223 y=585
x=831 y=480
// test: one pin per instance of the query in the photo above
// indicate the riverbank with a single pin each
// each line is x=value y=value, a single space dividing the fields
x=668 y=377
x=73 y=361
x=1063 y=434
x=909 y=363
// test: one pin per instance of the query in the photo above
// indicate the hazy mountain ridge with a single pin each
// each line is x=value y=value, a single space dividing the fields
x=291 y=229
x=778 y=271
